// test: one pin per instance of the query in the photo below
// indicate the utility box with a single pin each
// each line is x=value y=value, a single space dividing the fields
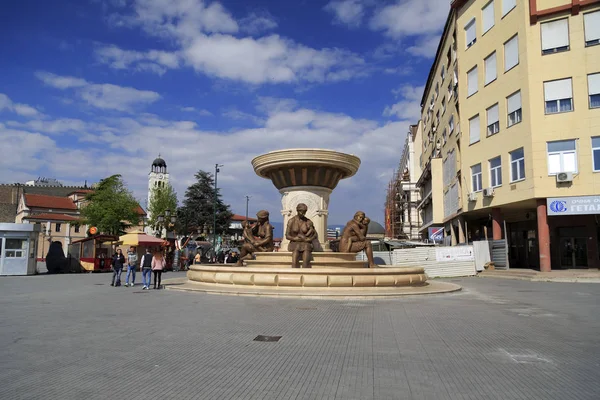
x=18 y=248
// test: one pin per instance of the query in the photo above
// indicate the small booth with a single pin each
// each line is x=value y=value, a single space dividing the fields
x=18 y=247
x=94 y=253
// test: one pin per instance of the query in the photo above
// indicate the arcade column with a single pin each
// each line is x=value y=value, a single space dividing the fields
x=543 y=236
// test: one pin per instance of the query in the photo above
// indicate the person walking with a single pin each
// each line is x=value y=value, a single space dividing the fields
x=146 y=265
x=118 y=260
x=158 y=265
x=132 y=259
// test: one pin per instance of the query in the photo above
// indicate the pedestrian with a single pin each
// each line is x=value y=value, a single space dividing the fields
x=132 y=259
x=146 y=265
x=118 y=260
x=158 y=265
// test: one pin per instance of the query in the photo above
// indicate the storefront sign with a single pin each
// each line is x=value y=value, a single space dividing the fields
x=579 y=205
x=436 y=235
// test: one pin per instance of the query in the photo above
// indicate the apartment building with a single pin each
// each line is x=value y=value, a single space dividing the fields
x=439 y=183
x=528 y=150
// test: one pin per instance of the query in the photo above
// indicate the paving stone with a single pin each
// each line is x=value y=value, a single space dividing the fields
x=74 y=337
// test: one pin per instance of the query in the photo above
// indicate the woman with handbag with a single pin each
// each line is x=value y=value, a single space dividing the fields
x=158 y=265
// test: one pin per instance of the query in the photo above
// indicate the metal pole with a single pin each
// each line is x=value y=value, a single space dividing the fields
x=215 y=210
x=247 y=201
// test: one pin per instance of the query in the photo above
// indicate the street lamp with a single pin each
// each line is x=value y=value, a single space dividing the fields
x=217 y=170
x=166 y=220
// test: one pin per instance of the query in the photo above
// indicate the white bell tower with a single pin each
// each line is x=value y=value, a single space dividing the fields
x=158 y=176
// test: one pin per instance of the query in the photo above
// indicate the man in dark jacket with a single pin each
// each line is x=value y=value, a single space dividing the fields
x=118 y=260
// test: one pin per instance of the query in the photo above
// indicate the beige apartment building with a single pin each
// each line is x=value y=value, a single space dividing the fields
x=439 y=183
x=526 y=136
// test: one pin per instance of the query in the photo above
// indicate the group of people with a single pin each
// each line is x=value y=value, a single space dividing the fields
x=149 y=263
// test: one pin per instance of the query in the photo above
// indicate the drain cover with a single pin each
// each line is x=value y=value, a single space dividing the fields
x=263 y=338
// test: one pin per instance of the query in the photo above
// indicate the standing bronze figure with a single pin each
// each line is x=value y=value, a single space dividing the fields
x=258 y=237
x=354 y=237
x=301 y=233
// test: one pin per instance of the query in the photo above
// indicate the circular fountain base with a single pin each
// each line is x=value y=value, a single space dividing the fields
x=312 y=282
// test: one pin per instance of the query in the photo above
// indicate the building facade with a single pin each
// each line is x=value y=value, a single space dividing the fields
x=403 y=218
x=528 y=162
x=440 y=182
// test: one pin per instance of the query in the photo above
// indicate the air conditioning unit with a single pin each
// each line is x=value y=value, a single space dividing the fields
x=562 y=177
x=472 y=196
x=488 y=192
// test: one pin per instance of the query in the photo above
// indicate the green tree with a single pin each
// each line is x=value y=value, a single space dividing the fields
x=111 y=207
x=198 y=205
x=163 y=198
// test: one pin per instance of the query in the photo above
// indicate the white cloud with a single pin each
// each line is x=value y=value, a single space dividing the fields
x=285 y=126
x=23 y=110
x=411 y=17
x=201 y=112
x=203 y=36
x=409 y=108
x=347 y=12
x=258 y=22
x=105 y=96
x=425 y=46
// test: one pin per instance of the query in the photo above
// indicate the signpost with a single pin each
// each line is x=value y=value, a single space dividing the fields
x=576 y=205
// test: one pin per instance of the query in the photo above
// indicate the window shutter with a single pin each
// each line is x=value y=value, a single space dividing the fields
x=470 y=31
x=474 y=130
x=555 y=34
x=514 y=102
x=556 y=90
x=511 y=53
x=508 y=5
x=594 y=84
x=490 y=68
x=592 y=26
x=472 y=81
x=492 y=114
x=488 y=17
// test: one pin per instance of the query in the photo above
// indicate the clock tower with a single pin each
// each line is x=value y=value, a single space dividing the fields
x=158 y=177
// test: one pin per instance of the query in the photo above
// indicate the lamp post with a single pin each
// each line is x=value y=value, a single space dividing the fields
x=165 y=221
x=217 y=170
x=247 y=201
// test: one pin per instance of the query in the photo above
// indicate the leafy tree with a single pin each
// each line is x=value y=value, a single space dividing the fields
x=111 y=207
x=198 y=206
x=163 y=198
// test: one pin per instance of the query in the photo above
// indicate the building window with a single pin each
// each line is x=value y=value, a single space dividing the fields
x=511 y=53
x=515 y=114
x=596 y=153
x=496 y=171
x=443 y=73
x=455 y=77
x=555 y=36
x=474 y=130
x=559 y=96
x=488 y=16
x=517 y=165
x=594 y=90
x=57 y=227
x=507 y=6
x=77 y=228
x=591 y=22
x=476 y=183
x=444 y=137
x=450 y=91
x=15 y=248
x=451 y=124
x=490 y=68
x=443 y=105
x=470 y=34
x=493 y=122
x=472 y=82
x=562 y=157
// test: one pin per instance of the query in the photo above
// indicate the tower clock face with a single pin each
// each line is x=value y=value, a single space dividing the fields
x=160 y=176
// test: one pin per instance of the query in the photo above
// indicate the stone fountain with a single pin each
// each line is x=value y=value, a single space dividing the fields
x=306 y=178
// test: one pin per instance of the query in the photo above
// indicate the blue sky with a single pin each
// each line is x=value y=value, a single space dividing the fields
x=89 y=88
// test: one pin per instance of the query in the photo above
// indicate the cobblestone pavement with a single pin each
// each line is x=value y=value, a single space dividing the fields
x=75 y=337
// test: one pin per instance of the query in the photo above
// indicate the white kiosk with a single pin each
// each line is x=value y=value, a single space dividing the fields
x=18 y=248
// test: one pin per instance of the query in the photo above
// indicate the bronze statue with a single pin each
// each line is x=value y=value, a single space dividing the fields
x=258 y=237
x=354 y=237
x=301 y=233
